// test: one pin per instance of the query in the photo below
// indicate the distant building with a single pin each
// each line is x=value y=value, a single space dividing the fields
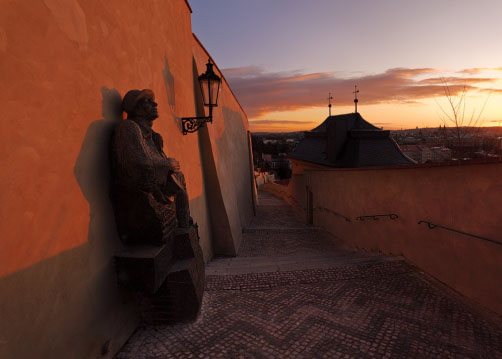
x=267 y=141
x=410 y=140
x=279 y=163
x=440 y=154
x=413 y=151
x=348 y=141
x=266 y=157
x=423 y=153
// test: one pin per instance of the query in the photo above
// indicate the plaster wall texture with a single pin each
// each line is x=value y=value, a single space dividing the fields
x=227 y=167
x=64 y=66
x=465 y=197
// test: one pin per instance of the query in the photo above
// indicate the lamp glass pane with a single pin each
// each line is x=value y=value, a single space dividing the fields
x=205 y=91
x=215 y=87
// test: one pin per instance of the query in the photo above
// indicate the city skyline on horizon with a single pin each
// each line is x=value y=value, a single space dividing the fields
x=397 y=54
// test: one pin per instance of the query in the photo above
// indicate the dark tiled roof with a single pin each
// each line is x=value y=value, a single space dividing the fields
x=312 y=149
x=353 y=121
x=361 y=144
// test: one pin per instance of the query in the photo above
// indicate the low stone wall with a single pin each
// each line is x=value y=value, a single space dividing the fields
x=465 y=197
x=285 y=192
x=278 y=191
x=262 y=178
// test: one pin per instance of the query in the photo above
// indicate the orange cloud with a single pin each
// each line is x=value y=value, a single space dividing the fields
x=477 y=70
x=261 y=92
x=492 y=91
x=280 y=122
x=281 y=125
x=457 y=80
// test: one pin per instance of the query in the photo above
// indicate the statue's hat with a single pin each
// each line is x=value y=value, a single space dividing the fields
x=132 y=97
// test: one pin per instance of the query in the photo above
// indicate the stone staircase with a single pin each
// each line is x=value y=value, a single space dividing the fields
x=276 y=241
x=295 y=291
x=234 y=266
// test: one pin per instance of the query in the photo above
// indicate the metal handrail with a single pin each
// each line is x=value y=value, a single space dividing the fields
x=334 y=213
x=432 y=226
x=376 y=216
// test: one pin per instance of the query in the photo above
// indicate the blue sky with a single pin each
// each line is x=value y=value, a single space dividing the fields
x=350 y=39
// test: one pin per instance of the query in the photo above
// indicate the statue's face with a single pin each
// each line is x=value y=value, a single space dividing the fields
x=148 y=109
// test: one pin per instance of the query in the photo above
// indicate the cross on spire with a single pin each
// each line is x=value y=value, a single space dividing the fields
x=329 y=102
x=356 y=91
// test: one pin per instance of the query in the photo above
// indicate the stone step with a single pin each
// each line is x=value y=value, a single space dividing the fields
x=225 y=261
x=284 y=261
x=272 y=264
x=272 y=201
x=277 y=229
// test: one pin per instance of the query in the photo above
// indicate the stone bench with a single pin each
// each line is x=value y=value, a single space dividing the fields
x=170 y=277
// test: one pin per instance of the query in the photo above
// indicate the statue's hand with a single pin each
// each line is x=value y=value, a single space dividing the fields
x=175 y=165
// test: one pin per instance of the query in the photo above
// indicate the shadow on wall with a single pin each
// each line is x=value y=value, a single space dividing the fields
x=64 y=309
x=74 y=292
x=168 y=77
x=234 y=141
x=92 y=172
x=169 y=83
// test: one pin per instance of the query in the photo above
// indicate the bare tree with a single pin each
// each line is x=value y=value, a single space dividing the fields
x=456 y=116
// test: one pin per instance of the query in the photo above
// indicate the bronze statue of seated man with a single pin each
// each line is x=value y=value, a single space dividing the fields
x=148 y=188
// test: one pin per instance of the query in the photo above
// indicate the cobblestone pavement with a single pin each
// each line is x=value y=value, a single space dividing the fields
x=295 y=292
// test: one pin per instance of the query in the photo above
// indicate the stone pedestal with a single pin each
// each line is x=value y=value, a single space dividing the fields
x=144 y=267
x=182 y=246
x=170 y=276
x=180 y=296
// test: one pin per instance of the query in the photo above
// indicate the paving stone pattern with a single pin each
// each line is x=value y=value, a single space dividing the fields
x=295 y=292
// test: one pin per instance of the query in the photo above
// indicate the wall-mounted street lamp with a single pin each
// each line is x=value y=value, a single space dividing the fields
x=210 y=87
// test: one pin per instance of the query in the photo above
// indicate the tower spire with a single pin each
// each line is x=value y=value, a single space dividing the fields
x=329 y=102
x=356 y=91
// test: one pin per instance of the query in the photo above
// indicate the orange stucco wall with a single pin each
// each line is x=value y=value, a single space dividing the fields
x=60 y=61
x=63 y=64
x=227 y=168
x=466 y=197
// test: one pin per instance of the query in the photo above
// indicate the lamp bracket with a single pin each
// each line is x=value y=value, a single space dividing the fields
x=192 y=124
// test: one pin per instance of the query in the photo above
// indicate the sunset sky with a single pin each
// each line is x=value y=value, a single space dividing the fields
x=282 y=57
